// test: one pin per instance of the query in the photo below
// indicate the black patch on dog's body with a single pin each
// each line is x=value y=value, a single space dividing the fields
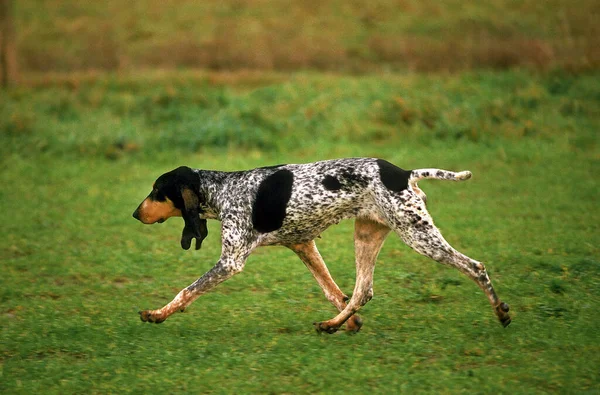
x=352 y=179
x=272 y=197
x=393 y=178
x=331 y=183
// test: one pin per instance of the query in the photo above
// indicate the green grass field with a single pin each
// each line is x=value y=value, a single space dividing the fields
x=78 y=154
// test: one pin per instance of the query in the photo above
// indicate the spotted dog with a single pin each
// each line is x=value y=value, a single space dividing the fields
x=291 y=205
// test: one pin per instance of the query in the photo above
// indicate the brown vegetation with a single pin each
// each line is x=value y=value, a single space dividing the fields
x=348 y=36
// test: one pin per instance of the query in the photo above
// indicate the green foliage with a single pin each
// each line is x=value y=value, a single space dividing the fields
x=120 y=115
x=77 y=156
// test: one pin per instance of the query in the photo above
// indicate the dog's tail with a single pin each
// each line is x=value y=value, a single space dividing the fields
x=420 y=174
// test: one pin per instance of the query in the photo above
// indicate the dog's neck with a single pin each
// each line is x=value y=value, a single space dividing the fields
x=211 y=188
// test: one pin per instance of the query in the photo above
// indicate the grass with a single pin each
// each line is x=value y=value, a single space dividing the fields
x=426 y=35
x=78 y=154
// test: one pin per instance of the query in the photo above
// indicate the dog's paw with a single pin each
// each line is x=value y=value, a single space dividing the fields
x=502 y=312
x=321 y=327
x=151 y=316
x=354 y=324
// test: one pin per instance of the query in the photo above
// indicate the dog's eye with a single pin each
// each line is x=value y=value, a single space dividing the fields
x=159 y=196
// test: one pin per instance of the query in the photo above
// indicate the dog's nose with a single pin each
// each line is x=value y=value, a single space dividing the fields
x=136 y=214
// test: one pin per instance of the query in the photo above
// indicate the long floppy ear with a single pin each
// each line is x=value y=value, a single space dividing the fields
x=194 y=226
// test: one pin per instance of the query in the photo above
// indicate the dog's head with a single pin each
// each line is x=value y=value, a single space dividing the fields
x=176 y=194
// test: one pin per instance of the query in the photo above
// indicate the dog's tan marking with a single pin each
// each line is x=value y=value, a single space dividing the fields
x=368 y=240
x=309 y=254
x=152 y=211
x=179 y=303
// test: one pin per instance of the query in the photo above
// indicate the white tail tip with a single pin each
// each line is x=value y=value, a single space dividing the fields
x=464 y=175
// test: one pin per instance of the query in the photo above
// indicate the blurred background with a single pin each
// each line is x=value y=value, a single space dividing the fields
x=342 y=36
x=169 y=73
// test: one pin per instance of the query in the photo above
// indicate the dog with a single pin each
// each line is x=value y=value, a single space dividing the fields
x=293 y=204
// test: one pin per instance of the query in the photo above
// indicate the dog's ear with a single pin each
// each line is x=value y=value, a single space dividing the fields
x=194 y=226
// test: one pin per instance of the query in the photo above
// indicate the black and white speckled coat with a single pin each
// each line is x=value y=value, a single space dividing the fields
x=293 y=204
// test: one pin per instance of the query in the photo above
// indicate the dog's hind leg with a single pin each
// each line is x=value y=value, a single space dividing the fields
x=368 y=240
x=309 y=254
x=415 y=227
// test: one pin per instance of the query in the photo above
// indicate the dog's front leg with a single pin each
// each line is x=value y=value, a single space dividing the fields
x=232 y=261
x=219 y=273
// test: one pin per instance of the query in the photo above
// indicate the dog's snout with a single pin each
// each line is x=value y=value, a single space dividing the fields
x=136 y=214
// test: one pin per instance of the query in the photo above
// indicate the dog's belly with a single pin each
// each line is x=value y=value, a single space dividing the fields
x=298 y=232
x=305 y=222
